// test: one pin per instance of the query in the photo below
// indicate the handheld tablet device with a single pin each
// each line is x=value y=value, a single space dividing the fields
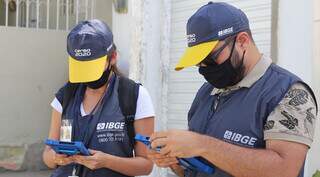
x=68 y=148
x=194 y=163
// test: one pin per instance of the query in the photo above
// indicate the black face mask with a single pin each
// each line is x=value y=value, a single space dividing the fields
x=224 y=74
x=100 y=82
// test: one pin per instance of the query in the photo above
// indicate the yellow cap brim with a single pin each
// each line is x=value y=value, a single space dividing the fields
x=86 y=71
x=195 y=54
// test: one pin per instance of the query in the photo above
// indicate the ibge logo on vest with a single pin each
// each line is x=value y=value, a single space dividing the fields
x=239 y=138
x=115 y=126
x=110 y=132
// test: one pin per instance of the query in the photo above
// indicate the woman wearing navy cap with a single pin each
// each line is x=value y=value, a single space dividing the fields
x=89 y=108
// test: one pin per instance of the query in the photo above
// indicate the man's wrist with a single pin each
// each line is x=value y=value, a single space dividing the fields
x=204 y=145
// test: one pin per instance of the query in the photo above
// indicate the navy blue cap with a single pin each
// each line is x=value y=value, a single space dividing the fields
x=89 y=40
x=215 y=21
x=210 y=24
x=88 y=46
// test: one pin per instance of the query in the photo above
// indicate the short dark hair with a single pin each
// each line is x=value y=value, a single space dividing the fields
x=248 y=31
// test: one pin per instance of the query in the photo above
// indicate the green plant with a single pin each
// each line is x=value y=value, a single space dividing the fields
x=317 y=174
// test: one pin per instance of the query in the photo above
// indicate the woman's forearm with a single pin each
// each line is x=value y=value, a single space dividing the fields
x=47 y=156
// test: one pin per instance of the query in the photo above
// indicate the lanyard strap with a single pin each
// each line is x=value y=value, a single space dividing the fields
x=95 y=116
x=94 y=119
x=90 y=118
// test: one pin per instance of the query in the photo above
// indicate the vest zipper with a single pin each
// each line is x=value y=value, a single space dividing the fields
x=216 y=103
x=212 y=112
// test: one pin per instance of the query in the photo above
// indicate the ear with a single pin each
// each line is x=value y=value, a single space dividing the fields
x=243 y=39
x=114 y=58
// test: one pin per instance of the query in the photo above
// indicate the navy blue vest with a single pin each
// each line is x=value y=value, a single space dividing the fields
x=110 y=134
x=239 y=117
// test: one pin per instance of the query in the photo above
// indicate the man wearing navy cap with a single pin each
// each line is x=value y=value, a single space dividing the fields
x=251 y=118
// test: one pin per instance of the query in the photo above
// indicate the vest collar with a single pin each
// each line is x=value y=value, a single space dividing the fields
x=253 y=76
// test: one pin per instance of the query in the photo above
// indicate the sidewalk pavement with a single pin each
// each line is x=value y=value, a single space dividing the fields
x=25 y=174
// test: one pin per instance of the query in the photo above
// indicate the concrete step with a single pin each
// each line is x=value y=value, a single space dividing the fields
x=25 y=157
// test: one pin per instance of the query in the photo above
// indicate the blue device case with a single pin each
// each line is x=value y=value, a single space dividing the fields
x=194 y=163
x=68 y=148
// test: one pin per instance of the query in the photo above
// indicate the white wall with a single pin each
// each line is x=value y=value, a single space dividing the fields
x=295 y=37
x=122 y=31
x=314 y=154
x=33 y=66
x=142 y=36
x=104 y=11
x=151 y=69
x=297 y=43
x=137 y=35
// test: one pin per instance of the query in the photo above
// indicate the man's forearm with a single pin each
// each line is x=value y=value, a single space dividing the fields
x=240 y=161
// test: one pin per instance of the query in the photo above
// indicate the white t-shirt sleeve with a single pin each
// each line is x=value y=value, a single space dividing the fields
x=55 y=104
x=144 y=105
